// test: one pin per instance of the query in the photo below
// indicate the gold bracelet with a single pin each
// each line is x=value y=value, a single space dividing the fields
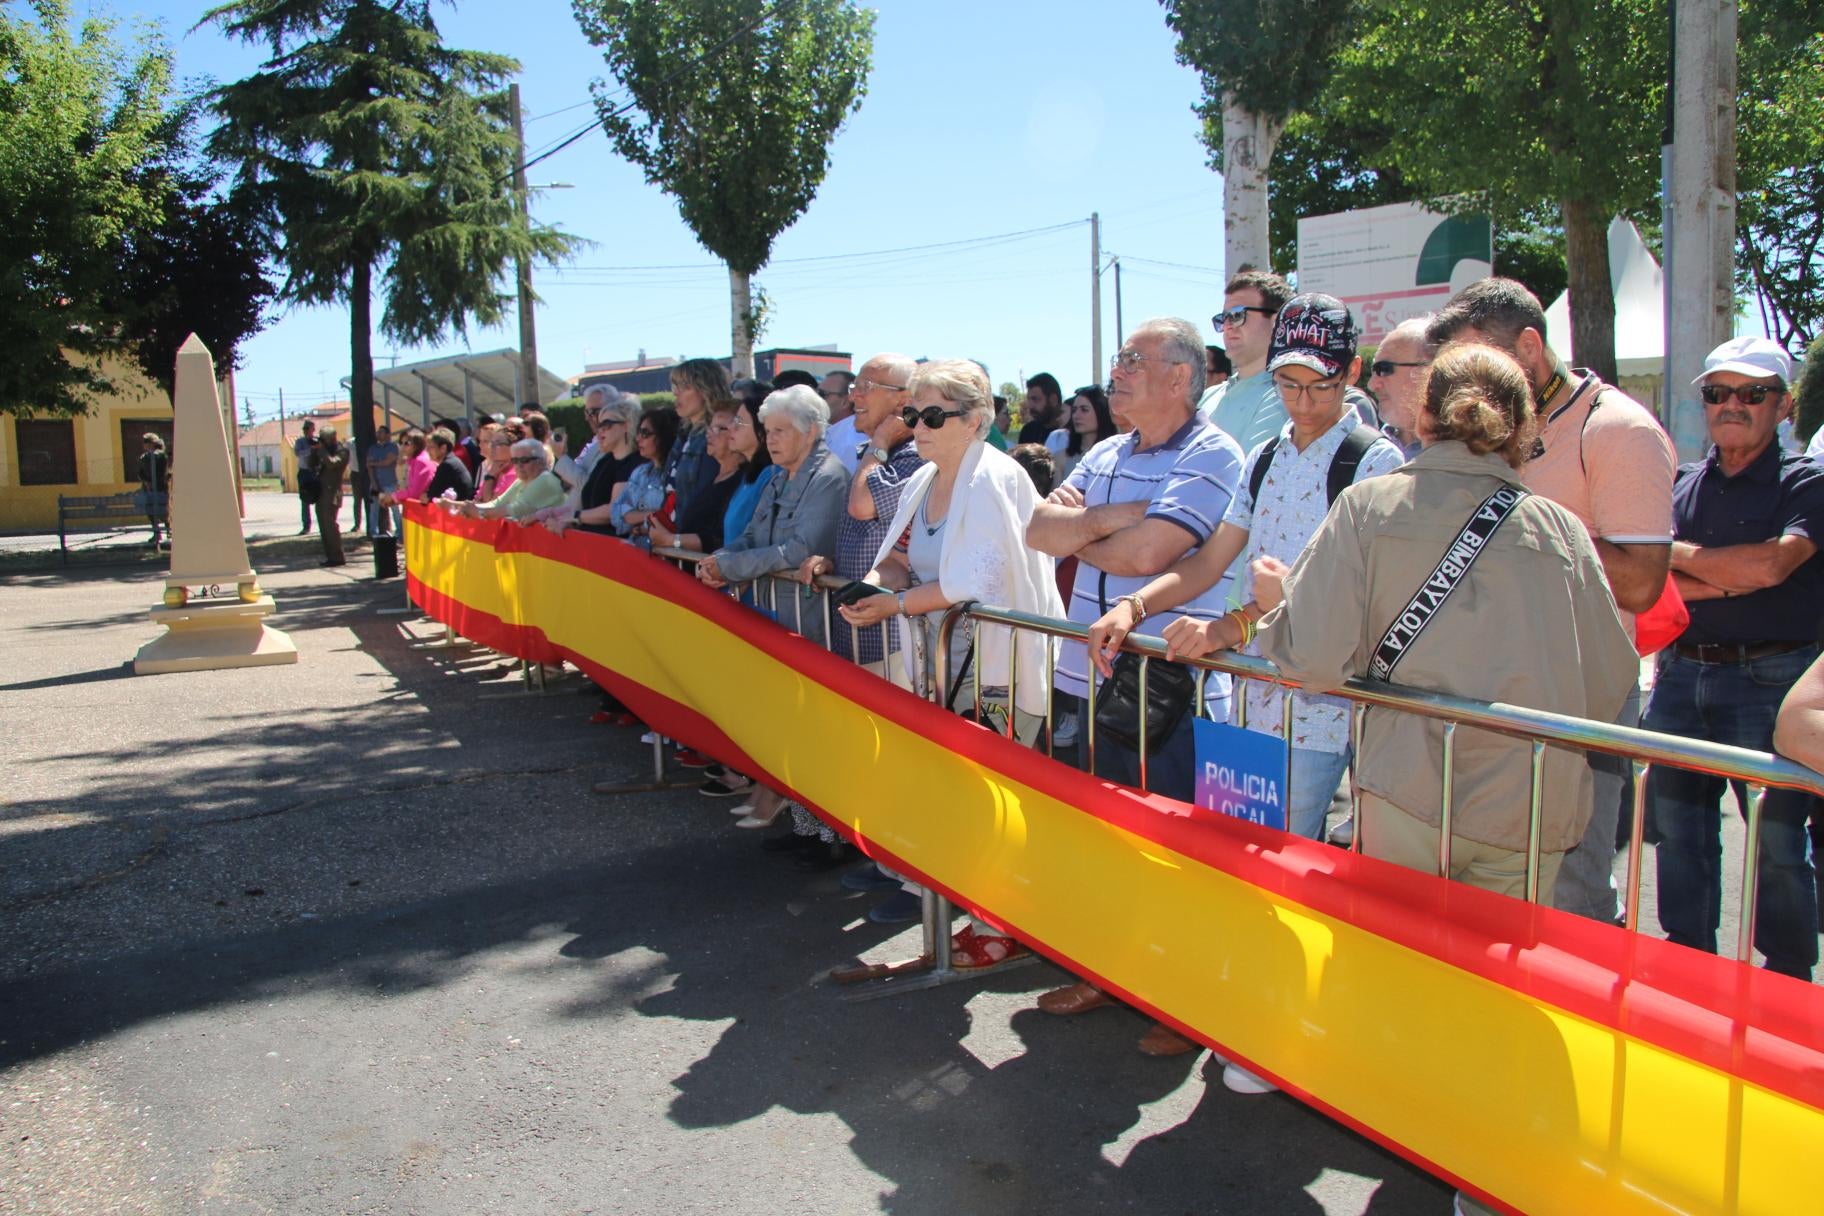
x=1139 y=604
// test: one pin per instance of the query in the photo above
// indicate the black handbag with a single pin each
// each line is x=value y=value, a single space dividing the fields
x=1169 y=688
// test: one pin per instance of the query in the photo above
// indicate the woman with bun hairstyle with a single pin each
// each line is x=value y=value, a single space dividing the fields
x=1388 y=589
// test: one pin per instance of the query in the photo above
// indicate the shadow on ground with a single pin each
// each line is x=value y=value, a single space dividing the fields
x=389 y=846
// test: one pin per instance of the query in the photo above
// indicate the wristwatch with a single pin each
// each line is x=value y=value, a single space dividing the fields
x=880 y=454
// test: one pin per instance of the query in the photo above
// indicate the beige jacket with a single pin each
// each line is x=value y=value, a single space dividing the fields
x=1534 y=624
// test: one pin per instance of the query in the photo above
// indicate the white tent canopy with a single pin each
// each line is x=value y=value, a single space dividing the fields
x=1640 y=321
x=461 y=386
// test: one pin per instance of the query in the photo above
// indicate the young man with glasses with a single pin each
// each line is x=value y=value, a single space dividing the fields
x=1604 y=458
x=1748 y=520
x=1246 y=407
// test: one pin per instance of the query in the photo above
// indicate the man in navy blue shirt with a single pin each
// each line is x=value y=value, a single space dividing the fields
x=1747 y=521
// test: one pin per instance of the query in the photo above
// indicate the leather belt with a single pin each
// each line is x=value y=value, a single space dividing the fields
x=1705 y=653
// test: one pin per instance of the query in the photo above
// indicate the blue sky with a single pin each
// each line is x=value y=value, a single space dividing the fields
x=981 y=118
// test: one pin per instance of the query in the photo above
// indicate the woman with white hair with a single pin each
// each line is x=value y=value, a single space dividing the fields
x=535 y=488
x=796 y=515
x=965 y=511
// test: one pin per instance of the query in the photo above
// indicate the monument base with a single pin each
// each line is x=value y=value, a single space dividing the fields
x=212 y=635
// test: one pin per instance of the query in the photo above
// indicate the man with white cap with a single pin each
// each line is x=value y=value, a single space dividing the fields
x=1747 y=522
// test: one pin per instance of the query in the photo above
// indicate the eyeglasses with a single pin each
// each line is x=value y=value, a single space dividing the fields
x=932 y=416
x=1324 y=392
x=720 y=428
x=645 y=432
x=1747 y=394
x=525 y=460
x=1132 y=359
x=863 y=385
x=832 y=393
x=1385 y=367
x=1238 y=315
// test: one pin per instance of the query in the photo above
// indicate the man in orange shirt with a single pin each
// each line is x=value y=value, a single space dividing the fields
x=1603 y=457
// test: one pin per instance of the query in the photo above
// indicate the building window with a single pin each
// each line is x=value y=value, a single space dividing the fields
x=47 y=452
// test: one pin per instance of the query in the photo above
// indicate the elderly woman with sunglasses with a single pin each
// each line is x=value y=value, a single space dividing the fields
x=965 y=511
x=615 y=462
x=535 y=488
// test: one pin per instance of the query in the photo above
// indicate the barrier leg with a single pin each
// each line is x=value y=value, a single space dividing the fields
x=930 y=969
x=659 y=780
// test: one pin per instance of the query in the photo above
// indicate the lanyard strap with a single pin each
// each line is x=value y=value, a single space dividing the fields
x=1445 y=577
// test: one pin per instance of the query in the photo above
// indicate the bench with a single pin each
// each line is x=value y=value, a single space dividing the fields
x=106 y=510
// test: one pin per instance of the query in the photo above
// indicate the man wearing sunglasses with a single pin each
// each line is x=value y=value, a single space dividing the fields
x=1246 y=406
x=1748 y=519
x=1604 y=458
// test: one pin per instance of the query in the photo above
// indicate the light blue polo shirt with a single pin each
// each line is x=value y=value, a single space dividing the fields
x=1189 y=480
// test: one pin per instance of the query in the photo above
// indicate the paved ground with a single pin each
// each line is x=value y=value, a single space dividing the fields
x=353 y=936
x=347 y=937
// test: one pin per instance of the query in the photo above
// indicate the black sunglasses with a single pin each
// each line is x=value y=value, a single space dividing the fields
x=1238 y=315
x=1385 y=367
x=1747 y=394
x=932 y=416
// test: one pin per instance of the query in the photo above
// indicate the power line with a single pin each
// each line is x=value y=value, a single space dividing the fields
x=958 y=245
x=701 y=62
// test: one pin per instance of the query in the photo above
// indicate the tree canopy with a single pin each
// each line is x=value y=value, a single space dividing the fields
x=733 y=104
x=364 y=147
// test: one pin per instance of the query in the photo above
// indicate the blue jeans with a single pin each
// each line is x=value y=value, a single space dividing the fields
x=1315 y=776
x=1731 y=703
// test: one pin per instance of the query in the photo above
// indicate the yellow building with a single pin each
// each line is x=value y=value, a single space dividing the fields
x=44 y=457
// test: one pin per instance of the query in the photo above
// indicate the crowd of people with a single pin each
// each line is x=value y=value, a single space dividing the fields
x=1487 y=522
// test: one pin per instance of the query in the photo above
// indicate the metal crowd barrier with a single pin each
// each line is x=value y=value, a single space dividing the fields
x=1642 y=749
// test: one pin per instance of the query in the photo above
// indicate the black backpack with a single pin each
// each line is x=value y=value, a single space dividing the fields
x=1343 y=465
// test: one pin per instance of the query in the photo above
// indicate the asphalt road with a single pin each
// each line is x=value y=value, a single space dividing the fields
x=354 y=936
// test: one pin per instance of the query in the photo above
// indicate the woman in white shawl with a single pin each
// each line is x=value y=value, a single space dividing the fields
x=959 y=534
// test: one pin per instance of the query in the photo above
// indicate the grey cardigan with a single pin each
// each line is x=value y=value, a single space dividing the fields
x=794 y=518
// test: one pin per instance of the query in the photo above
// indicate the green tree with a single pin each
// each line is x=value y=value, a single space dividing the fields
x=1780 y=168
x=1262 y=61
x=367 y=149
x=197 y=270
x=734 y=104
x=81 y=117
x=1523 y=109
x=1808 y=412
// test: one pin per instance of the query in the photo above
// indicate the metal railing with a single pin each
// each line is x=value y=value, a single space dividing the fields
x=1642 y=749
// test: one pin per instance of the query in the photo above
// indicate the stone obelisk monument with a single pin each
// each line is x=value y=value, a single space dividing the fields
x=214 y=611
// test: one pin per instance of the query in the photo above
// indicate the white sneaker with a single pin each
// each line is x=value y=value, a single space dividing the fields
x=1064 y=731
x=1239 y=1079
x=1343 y=834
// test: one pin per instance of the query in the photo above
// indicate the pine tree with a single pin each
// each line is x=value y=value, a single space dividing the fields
x=367 y=150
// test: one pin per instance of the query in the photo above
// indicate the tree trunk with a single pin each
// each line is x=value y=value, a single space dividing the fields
x=1248 y=140
x=361 y=374
x=741 y=307
x=1592 y=289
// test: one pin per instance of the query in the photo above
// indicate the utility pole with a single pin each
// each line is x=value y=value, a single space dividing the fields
x=1667 y=137
x=528 y=335
x=1120 y=329
x=1702 y=242
x=1097 y=373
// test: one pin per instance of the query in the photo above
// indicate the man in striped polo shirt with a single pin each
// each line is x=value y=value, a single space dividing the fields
x=1134 y=505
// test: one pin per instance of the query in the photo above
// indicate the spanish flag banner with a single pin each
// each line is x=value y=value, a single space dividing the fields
x=1541 y=1061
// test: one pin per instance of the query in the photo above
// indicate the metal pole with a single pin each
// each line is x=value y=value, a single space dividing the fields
x=1097 y=372
x=528 y=321
x=1446 y=803
x=1667 y=215
x=1120 y=329
x=1751 y=873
